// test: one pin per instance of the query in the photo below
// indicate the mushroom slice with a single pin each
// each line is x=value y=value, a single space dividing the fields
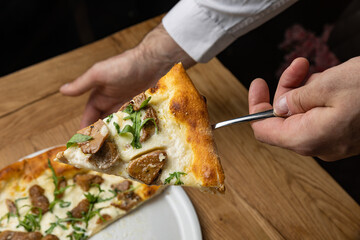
x=99 y=132
x=147 y=167
x=106 y=157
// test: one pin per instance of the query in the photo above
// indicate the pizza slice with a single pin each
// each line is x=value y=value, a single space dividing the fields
x=162 y=136
x=42 y=199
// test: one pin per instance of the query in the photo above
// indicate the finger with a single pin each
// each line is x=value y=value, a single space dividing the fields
x=91 y=114
x=82 y=84
x=259 y=97
x=292 y=77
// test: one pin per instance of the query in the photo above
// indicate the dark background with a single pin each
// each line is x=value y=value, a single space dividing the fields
x=33 y=31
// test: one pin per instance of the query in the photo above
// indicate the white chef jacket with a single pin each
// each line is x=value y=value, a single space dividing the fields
x=203 y=28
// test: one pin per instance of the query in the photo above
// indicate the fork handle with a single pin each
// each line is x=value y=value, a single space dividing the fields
x=251 y=117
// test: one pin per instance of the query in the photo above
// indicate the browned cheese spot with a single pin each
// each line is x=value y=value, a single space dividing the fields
x=147 y=167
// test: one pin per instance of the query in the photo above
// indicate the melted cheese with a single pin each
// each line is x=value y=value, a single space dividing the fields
x=179 y=153
x=73 y=195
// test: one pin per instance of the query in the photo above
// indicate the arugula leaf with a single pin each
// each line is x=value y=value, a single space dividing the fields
x=77 y=236
x=109 y=118
x=31 y=222
x=55 y=224
x=64 y=204
x=117 y=127
x=16 y=205
x=6 y=216
x=152 y=120
x=145 y=103
x=77 y=138
x=175 y=175
x=129 y=109
x=57 y=191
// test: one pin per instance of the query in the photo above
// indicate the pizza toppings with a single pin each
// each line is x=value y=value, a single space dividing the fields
x=38 y=199
x=13 y=235
x=129 y=200
x=98 y=133
x=106 y=157
x=50 y=237
x=175 y=175
x=11 y=206
x=148 y=121
x=138 y=101
x=121 y=187
x=147 y=167
x=103 y=218
x=62 y=184
x=86 y=180
x=32 y=217
x=150 y=126
x=81 y=209
x=77 y=138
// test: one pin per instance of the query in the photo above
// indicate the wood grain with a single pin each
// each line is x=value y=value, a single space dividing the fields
x=271 y=193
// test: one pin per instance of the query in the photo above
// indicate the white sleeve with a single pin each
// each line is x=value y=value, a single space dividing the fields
x=203 y=28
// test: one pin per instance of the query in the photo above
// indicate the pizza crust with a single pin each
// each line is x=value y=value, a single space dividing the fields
x=188 y=107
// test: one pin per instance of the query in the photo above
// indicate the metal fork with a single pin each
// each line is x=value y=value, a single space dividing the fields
x=251 y=117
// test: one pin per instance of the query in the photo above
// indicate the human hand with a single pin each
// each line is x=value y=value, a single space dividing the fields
x=119 y=78
x=323 y=111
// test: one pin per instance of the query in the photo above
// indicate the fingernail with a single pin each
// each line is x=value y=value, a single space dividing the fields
x=63 y=87
x=281 y=107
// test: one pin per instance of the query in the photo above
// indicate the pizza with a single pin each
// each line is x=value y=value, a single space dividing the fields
x=43 y=199
x=162 y=136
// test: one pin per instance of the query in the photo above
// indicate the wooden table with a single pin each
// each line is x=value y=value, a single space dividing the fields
x=271 y=193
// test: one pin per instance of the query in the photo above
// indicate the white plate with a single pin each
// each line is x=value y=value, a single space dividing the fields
x=170 y=215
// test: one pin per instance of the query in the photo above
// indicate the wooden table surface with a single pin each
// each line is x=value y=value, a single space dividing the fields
x=271 y=193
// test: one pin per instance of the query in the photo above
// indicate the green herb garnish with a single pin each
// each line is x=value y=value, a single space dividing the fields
x=117 y=127
x=109 y=118
x=55 y=224
x=135 y=129
x=152 y=120
x=77 y=138
x=176 y=175
x=145 y=103
x=77 y=236
x=129 y=109
x=57 y=190
x=93 y=199
x=31 y=222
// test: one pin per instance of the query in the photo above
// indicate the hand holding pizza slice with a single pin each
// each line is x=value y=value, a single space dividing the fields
x=162 y=136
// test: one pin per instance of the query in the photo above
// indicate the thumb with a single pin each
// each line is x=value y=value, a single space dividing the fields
x=80 y=85
x=299 y=100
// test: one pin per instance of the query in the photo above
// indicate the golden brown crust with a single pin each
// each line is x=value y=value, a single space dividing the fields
x=189 y=108
x=31 y=168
